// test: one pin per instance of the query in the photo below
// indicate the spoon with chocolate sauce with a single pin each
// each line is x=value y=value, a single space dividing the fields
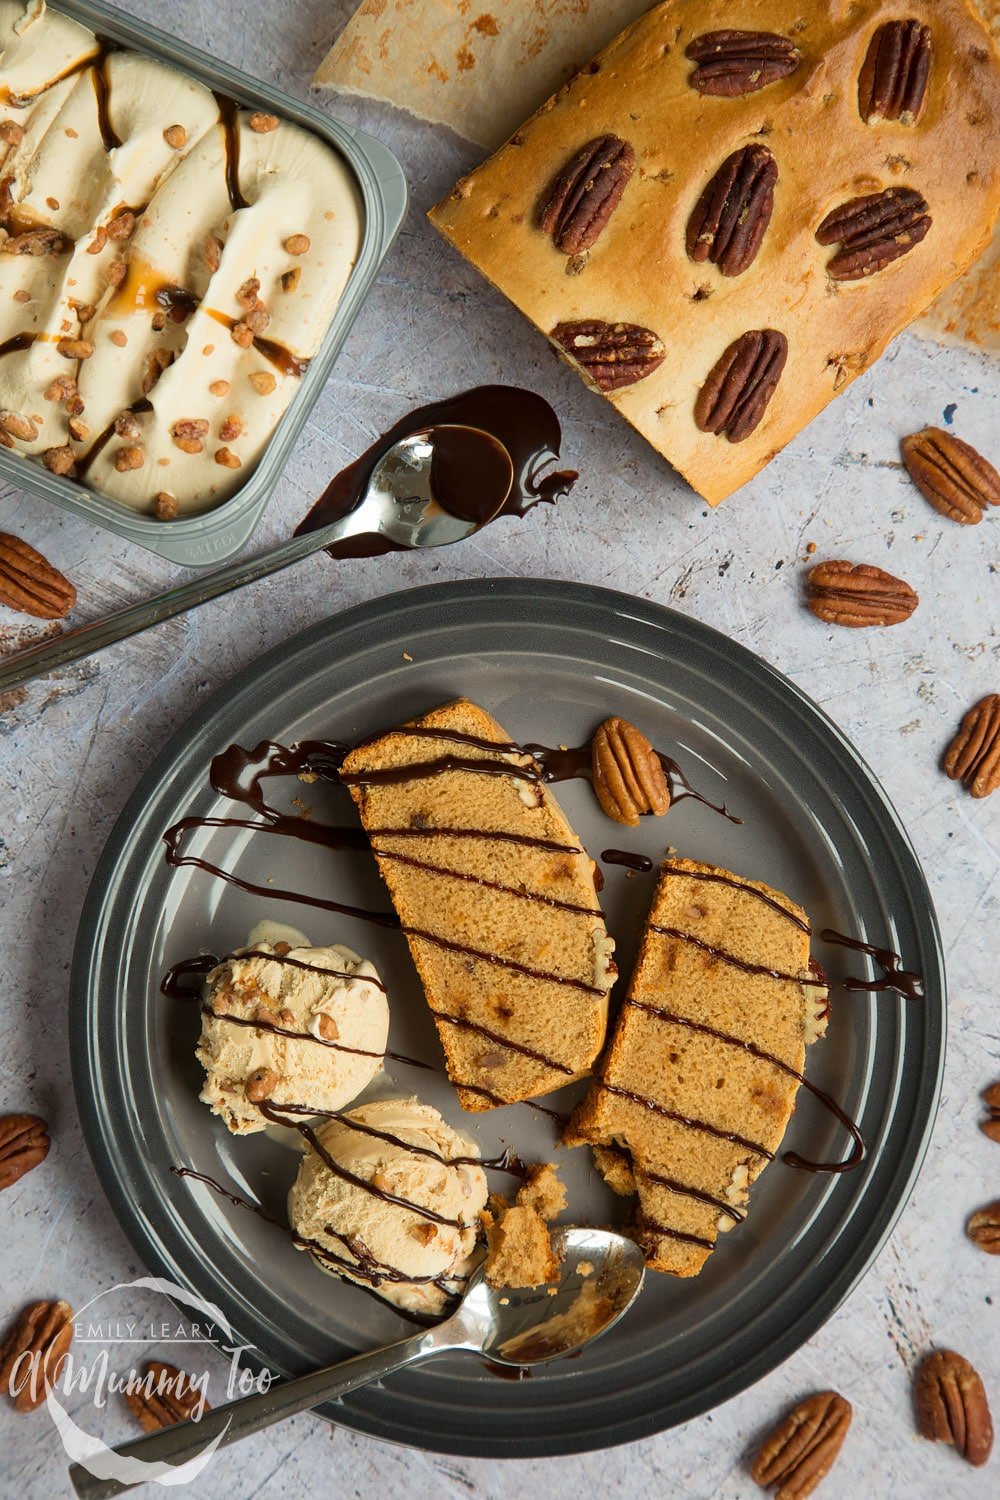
x=433 y=486
x=600 y=1277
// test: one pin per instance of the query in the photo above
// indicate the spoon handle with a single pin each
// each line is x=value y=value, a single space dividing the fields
x=86 y=639
x=228 y=1424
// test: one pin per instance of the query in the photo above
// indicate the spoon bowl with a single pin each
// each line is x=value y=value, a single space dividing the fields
x=600 y=1277
x=601 y=1274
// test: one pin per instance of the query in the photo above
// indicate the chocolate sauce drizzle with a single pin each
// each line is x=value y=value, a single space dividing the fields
x=464 y=1024
x=686 y=1191
x=820 y=981
x=904 y=982
x=174 y=988
x=654 y=1227
x=859 y=1151
x=639 y=862
x=508 y=1161
x=523 y=422
x=18 y=342
x=280 y=1116
x=102 y=88
x=738 y=885
x=364 y=1265
x=229 y=119
x=85 y=460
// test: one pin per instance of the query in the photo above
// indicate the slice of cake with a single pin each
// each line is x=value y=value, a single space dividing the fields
x=497 y=899
x=700 y=1079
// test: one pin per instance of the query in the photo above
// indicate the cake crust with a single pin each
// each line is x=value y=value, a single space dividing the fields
x=639 y=275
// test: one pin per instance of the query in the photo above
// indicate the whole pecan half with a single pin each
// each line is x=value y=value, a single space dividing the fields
x=33 y=1352
x=893 y=81
x=732 y=214
x=163 y=1396
x=628 y=777
x=873 y=231
x=957 y=480
x=983 y=1228
x=991 y=1125
x=973 y=757
x=952 y=1406
x=731 y=63
x=24 y=1143
x=612 y=354
x=858 y=594
x=29 y=582
x=804 y=1447
x=576 y=209
x=736 y=394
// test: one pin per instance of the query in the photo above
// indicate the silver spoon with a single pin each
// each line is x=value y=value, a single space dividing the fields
x=601 y=1276
x=398 y=504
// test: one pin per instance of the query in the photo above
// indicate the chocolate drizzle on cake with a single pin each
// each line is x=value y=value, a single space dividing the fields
x=738 y=885
x=818 y=980
x=859 y=1151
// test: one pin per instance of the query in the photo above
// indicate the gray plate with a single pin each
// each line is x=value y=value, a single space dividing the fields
x=550 y=660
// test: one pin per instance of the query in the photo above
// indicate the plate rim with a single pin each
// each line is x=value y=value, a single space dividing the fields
x=97 y=1124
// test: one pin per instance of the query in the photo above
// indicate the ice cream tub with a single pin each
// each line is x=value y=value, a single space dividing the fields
x=157 y=341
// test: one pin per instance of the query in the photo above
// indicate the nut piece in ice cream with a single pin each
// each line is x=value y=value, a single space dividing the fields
x=403 y=1223
x=266 y=1021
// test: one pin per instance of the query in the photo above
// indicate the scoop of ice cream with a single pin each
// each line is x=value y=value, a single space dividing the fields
x=389 y=1194
x=295 y=1026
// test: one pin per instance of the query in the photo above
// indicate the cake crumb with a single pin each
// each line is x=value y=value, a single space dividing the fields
x=520 y=1252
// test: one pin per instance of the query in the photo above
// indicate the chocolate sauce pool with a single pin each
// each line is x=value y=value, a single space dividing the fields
x=524 y=423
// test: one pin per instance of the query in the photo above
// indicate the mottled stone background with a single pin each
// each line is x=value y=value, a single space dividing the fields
x=71 y=753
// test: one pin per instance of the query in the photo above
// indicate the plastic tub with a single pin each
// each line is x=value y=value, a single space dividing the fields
x=214 y=536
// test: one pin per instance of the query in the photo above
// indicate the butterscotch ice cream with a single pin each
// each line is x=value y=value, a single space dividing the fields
x=390 y=1197
x=290 y=1026
x=169 y=264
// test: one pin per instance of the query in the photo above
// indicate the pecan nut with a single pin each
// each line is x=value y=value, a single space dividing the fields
x=611 y=354
x=804 y=1447
x=957 y=480
x=991 y=1125
x=579 y=204
x=731 y=63
x=983 y=1228
x=163 y=1396
x=261 y=1085
x=732 y=214
x=858 y=594
x=736 y=394
x=29 y=582
x=973 y=757
x=24 y=1144
x=893 y=81
x=628 y=775
x=33 y=1352
x=952 y=1406
x=873 y=231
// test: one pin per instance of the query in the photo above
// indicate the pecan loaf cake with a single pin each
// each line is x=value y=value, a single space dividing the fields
x=497 y=899
x=727 y=216
x=701 y=1077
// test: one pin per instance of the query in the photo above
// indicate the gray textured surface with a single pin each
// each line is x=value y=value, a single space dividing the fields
x=73 y=750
